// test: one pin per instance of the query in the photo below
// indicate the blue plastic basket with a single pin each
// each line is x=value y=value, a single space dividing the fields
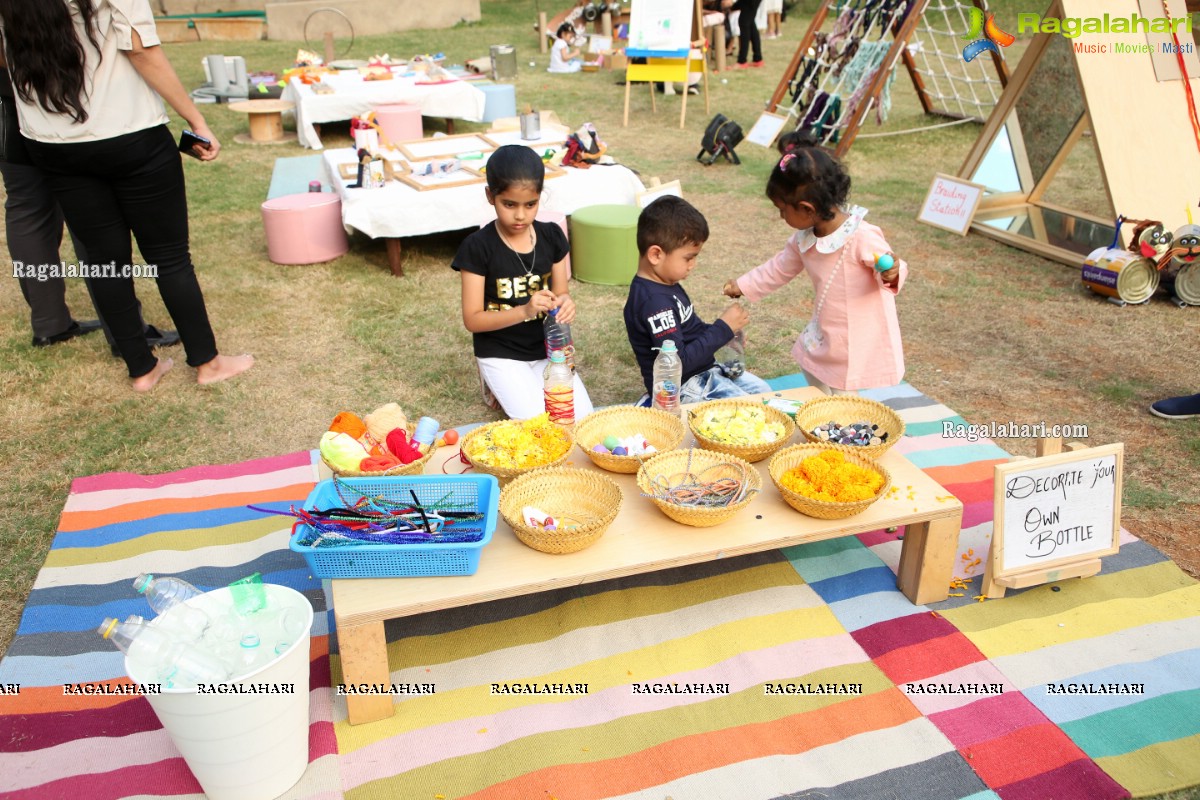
x=481 y=492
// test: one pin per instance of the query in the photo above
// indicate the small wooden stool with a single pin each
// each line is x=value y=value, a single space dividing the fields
x=266 y=121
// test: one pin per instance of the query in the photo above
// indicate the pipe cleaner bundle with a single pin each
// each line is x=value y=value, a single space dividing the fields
x=360 y=519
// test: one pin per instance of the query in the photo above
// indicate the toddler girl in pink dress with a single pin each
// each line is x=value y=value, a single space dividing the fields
x=853 y=339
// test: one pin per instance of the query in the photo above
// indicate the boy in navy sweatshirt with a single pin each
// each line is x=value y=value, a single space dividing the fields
x=670 y=235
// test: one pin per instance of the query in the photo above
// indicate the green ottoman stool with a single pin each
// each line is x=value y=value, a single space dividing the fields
x=604 y=244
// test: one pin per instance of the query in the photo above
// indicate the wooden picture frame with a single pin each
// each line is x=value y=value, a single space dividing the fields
x=392 y=169
x=950 y=203
x=652 y=193
x=463 y=176
x=445 y=146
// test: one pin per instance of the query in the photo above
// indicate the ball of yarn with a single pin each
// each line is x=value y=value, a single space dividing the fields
x=400 y=446
x=343 y=453
x=347 y=422
x=379 y=463
x=386 y=419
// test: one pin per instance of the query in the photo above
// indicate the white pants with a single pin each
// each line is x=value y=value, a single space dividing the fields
x=824 y=387
x=518 y=387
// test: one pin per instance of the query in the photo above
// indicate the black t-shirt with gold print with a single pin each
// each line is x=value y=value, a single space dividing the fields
x=509 y=279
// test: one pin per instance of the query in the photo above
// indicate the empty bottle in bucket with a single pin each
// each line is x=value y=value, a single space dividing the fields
x=163 y=594
x=176 y=664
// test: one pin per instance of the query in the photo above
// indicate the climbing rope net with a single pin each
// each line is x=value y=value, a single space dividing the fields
x=951 y=86
x=835 y=74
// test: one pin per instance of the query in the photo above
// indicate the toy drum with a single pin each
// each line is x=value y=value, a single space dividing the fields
x=1118 y=273
x=1183 y=282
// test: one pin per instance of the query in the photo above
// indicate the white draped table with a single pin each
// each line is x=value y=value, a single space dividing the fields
x=398 y=210
x=354 y=97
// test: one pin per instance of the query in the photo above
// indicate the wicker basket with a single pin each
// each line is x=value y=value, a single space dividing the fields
x=415 y=468
x=664 y=431
x=792 y=456
x=697 y=461
x=750 y=452
x=582 y=497
x=502 y=474
x=848 y=409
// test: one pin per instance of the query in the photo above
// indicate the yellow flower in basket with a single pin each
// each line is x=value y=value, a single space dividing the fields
x=832 y=479
x=739 y=426
x=520 y=444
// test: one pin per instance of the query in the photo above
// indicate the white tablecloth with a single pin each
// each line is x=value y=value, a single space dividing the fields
x=353 y=97
x=398 y=210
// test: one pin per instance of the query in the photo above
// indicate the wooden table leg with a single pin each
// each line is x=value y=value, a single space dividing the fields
x=719 y=46
x=927 y=559
x=449 y=126
x=395 y=257
x=363 y=651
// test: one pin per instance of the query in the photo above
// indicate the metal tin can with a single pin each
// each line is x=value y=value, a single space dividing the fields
x=1118 y=273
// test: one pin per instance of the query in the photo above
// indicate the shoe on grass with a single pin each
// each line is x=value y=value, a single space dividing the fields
x=75 y=329
x=1177 y=407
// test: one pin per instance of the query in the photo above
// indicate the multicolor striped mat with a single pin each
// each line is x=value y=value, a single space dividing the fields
x=790 y=674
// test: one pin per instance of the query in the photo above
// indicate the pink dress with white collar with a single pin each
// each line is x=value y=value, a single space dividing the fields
x=858 y=318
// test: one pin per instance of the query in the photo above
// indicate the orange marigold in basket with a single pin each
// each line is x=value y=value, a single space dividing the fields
x=829 y=477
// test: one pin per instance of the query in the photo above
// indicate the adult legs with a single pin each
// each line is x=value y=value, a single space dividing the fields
x=34 y=226
x=748 y=38
x=132 y=183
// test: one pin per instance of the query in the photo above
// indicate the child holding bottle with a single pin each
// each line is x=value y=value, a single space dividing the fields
x=853 y=339
x=513 y=271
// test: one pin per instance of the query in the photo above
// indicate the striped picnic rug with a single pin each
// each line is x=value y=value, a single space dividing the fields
x=800 y=673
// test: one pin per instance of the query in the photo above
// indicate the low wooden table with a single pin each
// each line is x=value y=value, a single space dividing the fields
x=641 y=539
x=266 y=121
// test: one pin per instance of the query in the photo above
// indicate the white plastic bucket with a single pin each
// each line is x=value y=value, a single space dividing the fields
x=243 y=746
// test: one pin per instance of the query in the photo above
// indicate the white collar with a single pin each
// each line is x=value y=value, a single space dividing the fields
x=806 y=238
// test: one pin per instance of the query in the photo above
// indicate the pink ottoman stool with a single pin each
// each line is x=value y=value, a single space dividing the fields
x=304 y=228
x=400 y=122
x=560 y=220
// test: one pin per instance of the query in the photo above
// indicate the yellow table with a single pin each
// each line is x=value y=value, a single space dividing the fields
x=641 y=539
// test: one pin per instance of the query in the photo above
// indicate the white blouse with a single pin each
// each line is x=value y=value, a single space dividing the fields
x=117 y=99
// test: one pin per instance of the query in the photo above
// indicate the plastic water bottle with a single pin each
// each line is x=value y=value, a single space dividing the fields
x=176 y=664
x=668 y=378
x=559 y=390
x=163 y=594
x=732 y=357
x=558 y=337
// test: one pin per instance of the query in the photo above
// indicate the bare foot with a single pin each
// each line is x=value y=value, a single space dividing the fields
x=144 y=383
x=222 y=368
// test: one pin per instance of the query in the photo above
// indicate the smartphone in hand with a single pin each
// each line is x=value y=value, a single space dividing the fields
x=188 y=140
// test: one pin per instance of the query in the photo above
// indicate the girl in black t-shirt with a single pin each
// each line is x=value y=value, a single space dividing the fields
x=513 y=271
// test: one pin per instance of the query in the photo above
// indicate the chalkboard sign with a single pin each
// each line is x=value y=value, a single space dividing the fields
x=1056 y=511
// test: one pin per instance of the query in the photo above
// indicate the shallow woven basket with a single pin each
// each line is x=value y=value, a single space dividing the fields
x=502 y=474
x=680 y=461
x=664 y=431
x=846 y=410
x=752 y=452
x=415 y=468
x=792 y=456
x=583 y=498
